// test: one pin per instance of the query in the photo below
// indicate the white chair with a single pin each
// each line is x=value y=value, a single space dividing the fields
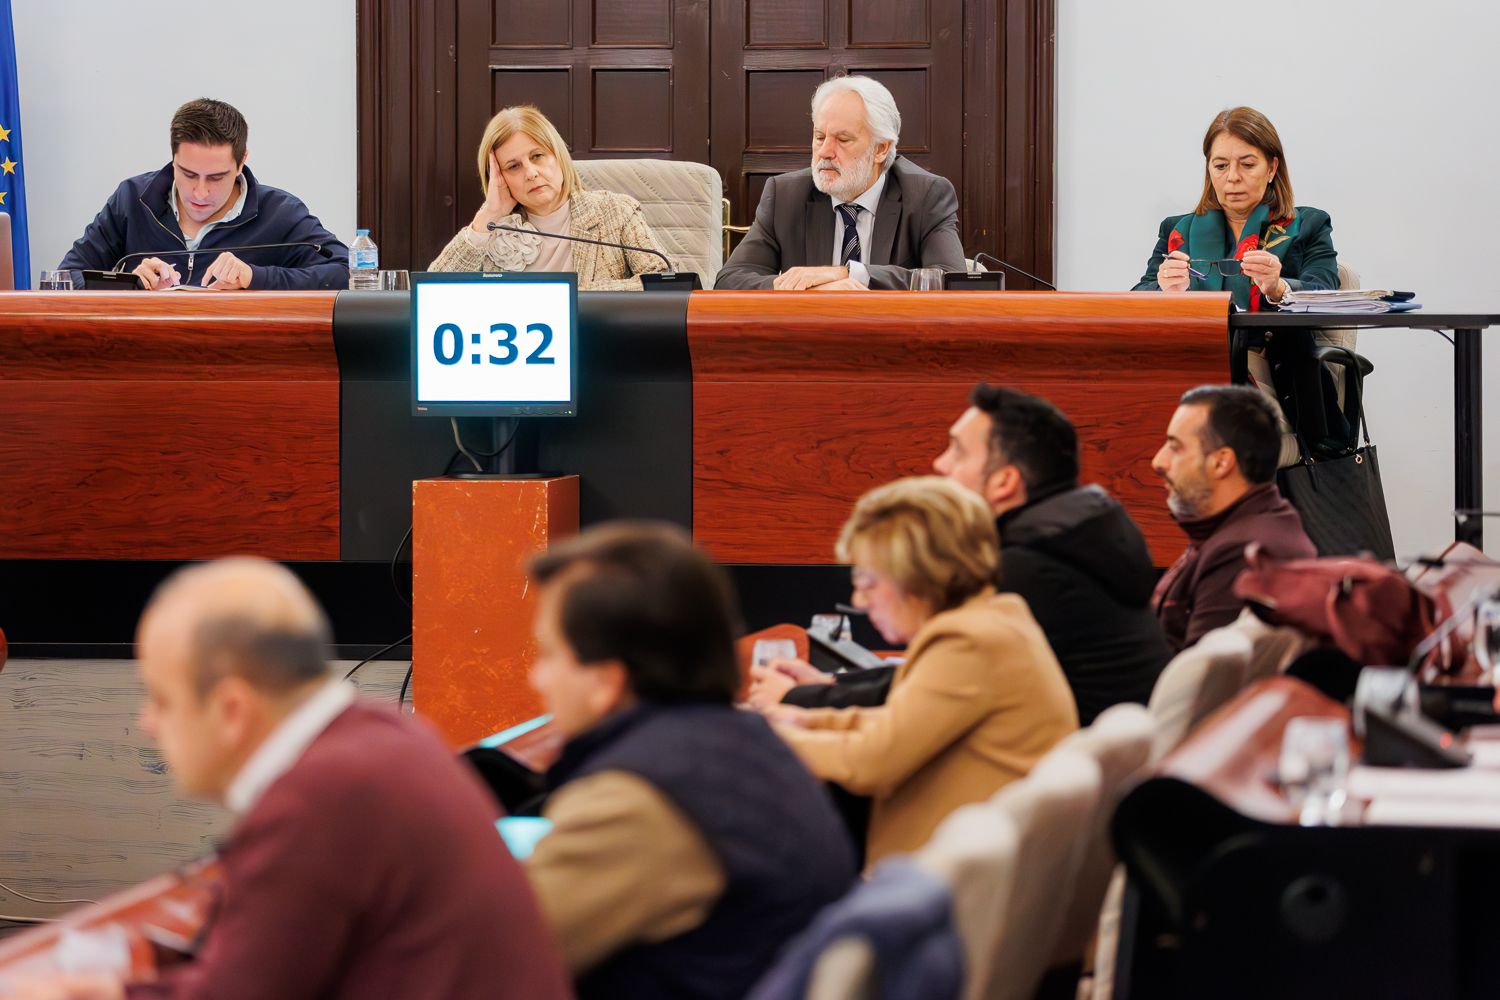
x=845 y=970
x=1197 y=682
x=1010 y=863
x=1260 y=371
x=1119 y=742
x=680 y=202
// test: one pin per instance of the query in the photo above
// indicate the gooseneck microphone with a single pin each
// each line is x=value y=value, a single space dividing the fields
x=318 y=248
x=1012 y=267
x=668 y=279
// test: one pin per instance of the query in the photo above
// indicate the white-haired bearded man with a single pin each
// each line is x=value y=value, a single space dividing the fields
x=860 y=216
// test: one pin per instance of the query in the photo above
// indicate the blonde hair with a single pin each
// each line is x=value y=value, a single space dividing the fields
x=526 y=119
x=1249 y=125
x=933 y=538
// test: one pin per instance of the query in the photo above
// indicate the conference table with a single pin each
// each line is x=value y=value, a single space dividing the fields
x=1467 y=329
x=143 y=431
x=1231 y=897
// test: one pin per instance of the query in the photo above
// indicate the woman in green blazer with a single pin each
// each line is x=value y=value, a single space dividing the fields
x=1246 y=236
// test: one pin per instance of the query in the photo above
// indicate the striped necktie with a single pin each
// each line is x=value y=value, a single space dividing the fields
x=850 y=250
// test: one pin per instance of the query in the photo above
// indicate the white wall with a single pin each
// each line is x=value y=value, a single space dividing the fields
x=1386 y=110
x=99 y=82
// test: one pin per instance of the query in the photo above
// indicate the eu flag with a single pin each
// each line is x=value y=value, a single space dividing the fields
x=12 y=188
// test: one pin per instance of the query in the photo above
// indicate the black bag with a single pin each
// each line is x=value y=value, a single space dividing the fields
x=1337 y=489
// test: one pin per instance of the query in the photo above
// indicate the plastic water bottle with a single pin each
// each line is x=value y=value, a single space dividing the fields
x=364 y=262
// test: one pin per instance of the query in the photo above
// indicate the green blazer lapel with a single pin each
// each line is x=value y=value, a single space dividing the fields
x=1206 y=237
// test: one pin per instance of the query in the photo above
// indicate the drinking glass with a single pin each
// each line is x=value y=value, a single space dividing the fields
x=394 y=281
x=1314 y=767
x=1486 y=644
x=926 y=279
x=55 y=281
x=766 y=650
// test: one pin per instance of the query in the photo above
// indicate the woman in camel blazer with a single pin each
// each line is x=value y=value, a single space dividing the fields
x=980 y=697
x=530 y=183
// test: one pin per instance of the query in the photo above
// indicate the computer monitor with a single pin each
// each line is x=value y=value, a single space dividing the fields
x=494 y=344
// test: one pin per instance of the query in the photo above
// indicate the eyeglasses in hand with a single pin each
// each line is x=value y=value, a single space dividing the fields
x=1227 y=267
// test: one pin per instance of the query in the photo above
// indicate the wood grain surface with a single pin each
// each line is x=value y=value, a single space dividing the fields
x=86 y=804
x=804 y=401
x=172 y=426
x=472 y=600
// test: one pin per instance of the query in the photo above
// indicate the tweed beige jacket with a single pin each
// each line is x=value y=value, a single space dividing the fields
x=978 y=701
x=596 y=215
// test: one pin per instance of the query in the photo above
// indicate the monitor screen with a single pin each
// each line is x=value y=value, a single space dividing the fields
x=494 y=345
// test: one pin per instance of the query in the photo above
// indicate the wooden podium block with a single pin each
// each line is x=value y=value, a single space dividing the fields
x=472 y=603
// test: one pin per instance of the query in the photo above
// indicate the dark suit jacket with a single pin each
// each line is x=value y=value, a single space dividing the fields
x=372 y=868
x=915 y=226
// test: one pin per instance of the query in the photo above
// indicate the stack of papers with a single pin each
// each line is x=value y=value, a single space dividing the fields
x=1352 y=301
x=1463 y=797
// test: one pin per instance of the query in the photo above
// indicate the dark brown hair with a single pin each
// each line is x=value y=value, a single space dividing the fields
x=640 y=593
x=1249 y=125
x=1244 y=421
x=207 y=122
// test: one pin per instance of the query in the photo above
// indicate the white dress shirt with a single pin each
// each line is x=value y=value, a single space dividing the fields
x=864 y=225
x=286 y=744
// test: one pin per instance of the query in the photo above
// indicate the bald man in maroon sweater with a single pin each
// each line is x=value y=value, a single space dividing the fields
x=365 y=861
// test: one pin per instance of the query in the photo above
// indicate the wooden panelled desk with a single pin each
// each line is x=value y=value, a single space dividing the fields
x=140 y=430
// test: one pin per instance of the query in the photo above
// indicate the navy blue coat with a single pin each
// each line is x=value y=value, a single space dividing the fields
x=138 y=219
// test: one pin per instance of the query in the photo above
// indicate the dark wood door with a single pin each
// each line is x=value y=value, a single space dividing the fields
x=619 y=78
x=770 y=55
x=973 y=78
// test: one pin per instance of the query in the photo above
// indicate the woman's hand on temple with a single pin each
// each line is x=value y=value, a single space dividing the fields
x=498 y=202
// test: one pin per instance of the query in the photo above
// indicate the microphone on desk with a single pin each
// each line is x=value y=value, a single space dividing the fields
x=1011 y=267
x=671 y=280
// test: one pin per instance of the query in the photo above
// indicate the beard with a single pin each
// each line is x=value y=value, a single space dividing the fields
x=850 y=183
x=1188 y=499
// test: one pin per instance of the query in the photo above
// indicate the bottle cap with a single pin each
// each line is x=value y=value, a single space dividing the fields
x=361 y=232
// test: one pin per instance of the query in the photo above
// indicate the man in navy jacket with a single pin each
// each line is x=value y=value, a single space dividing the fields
x=169 y=224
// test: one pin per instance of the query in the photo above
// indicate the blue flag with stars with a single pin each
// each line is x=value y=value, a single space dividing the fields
x=12 y=188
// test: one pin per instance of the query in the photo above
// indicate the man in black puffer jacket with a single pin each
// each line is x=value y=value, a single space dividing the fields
x=1071 y=551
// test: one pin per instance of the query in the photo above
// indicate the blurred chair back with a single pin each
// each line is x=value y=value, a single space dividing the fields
x=681 y=202
x=844 y=971
x=1119 y=742
x=7 y=256
x=1195 y=683
x=1010 y=864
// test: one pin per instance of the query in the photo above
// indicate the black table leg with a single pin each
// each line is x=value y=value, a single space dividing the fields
x=1468 y=435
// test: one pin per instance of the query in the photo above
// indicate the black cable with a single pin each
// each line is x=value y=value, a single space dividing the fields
x=401 y=698
x=464 y=451
x=378 y=652
x=1449 y=339
x=396 y=559
x=516 y=426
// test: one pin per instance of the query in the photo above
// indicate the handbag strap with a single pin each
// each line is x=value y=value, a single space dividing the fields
x=1354 y=392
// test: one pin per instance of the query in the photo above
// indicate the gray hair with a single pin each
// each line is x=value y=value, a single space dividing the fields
x=881 y=114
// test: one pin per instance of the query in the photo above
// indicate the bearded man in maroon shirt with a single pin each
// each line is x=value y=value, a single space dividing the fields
x=364 y=861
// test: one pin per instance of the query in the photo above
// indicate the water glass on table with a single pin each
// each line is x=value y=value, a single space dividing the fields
x=926 y=279
x=766 y=650
x=55 y=281
x=395 y=281
x=1314 y=768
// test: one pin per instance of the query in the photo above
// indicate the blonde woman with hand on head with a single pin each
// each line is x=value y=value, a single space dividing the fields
x=980 y=697
x=530 y=183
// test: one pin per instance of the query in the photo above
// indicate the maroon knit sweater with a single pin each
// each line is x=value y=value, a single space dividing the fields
x=371 y=869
